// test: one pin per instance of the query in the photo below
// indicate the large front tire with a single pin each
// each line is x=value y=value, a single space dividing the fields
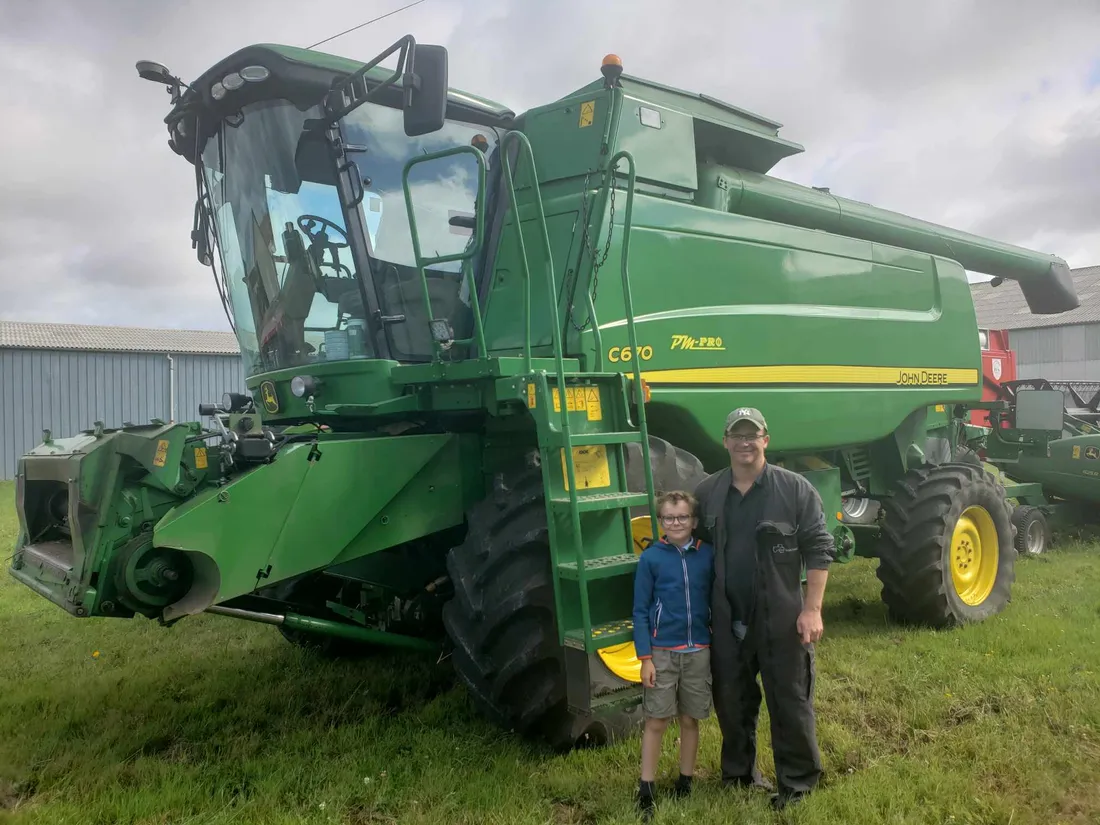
x=502 y=619
x=946 y=554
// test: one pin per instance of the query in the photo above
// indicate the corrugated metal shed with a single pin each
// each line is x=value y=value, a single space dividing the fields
x=1004 y=307
x=18 y=335
x=1065 y=346
x=65 y=377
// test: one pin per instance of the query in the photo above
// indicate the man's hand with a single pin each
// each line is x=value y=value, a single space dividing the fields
x=649 y=673
x=810 y=626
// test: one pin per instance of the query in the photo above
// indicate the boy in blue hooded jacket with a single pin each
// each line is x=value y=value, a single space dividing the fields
x=672 y=588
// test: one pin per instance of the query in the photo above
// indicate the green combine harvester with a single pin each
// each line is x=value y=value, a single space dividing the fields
x=476 y=344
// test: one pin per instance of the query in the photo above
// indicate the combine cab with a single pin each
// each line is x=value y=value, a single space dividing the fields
x=478 y=342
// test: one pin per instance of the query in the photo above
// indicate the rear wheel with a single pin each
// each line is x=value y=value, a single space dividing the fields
x=946 y=550
x=1032 y=530
x=502 y=618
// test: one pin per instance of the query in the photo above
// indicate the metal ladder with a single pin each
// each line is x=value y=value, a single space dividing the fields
x=592 y=557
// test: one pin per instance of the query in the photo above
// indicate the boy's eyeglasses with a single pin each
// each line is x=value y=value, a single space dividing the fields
x=676 y=519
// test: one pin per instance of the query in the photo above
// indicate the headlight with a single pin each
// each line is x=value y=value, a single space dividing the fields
x=217 y=91
x=303 y=385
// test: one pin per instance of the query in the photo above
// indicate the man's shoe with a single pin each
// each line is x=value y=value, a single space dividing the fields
x=757 y=784
x=785 y=799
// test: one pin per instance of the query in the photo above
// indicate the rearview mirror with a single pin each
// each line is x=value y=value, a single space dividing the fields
x=1041 y=410
x=426 y=106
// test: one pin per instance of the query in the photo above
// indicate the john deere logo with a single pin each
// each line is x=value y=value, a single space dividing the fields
x=1092 y=452
x=268 y=396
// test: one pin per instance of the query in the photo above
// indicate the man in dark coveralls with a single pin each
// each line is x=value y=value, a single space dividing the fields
x=765 y=523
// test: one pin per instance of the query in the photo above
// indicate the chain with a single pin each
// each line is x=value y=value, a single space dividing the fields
x=597 y=260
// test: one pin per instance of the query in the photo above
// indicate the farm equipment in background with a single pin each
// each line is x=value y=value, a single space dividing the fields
x=998 y=369
x=478 y=342
x=1053 y=476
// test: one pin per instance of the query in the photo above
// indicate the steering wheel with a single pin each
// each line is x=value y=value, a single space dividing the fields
x=319 y=242
x=306 y=222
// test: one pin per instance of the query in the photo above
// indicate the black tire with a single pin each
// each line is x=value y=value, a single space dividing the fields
x=502 y=621
x=1032 y=530
x=967 y=456
x=915 y=548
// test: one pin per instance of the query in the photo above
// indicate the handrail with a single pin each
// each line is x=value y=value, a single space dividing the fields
x=632 y=334
x=479 y=231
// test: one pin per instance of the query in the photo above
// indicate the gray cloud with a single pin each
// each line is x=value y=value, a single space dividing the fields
x=974 y=114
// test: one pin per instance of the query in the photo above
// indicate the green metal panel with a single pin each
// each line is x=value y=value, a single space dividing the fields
x=297 y=514
x=666 y=154
x=770 y=316
x=567 y=136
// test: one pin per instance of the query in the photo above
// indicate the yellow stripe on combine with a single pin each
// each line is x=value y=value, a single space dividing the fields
x=817 y=374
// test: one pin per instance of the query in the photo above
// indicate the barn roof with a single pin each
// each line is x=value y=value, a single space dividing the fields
x=21 y=335
x=1004 y=307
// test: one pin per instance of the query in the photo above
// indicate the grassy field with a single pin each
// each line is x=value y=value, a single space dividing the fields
x=217 y=721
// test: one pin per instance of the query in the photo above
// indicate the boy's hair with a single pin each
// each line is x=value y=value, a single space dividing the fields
x=675 y=496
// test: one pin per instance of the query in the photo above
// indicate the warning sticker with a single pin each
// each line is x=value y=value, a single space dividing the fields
x=161 y=455
x=200 y=458
x=1077 y=451
x=588 y=113
x=531 y=396
x=589 y=466
x=592 y=404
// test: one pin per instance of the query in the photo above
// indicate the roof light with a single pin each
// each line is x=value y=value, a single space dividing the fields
x=217 y=91
x=255 y=74
x=232 y=81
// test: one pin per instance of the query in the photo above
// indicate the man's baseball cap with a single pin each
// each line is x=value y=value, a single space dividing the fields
x=745 y=414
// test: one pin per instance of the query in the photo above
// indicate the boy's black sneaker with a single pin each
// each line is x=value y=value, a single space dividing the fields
x=683 y=786
x=646 y=803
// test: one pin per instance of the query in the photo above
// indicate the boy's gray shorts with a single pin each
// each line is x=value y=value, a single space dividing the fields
x=683 y=686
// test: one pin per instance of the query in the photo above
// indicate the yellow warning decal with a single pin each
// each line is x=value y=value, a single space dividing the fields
x=531 y=396
x=589 y=466
x=817 y=374
x=592 y=404
x=161 y=455
x=588 y=113
x=200 y=458
x=1077 y=451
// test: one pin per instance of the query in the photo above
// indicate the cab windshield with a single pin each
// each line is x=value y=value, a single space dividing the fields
x=299 y=284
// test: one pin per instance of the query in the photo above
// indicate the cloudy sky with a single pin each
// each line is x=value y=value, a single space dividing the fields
x=980 y=114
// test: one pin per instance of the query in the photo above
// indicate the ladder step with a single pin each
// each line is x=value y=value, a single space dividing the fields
x=603 y=635
x=590 y=439
x=623 y=697
x=601 y=568
x=602 y=501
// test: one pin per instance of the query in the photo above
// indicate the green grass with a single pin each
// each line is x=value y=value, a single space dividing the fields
x=216 y=720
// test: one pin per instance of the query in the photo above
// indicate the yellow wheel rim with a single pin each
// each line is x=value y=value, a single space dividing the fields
x=975 y=552
x=622 y=659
